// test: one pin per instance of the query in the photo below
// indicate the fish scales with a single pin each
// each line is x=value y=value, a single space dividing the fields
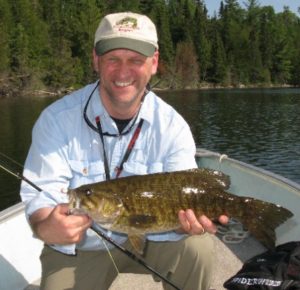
x=138 y=205
x=157 y=198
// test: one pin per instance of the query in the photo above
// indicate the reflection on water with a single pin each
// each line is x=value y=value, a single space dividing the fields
x=257 y=126
x=17 y=117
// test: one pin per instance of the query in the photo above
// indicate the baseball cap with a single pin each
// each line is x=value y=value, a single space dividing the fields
x=126 y=30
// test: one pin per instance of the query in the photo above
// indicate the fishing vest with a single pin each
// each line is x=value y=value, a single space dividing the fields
x=277 y=269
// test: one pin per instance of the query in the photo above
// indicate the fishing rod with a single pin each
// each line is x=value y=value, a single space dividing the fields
x=95 y=227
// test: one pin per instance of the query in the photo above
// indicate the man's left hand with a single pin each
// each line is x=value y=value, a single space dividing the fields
x=192 y=225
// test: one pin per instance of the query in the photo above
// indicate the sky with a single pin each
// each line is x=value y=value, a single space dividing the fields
x=214 y=5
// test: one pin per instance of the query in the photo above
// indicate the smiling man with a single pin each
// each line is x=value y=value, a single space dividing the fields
x=112 y=128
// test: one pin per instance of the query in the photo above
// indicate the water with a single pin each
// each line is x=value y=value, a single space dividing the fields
x=257 y=126
x=17 y=117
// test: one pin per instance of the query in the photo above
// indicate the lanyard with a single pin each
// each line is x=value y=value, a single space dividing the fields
x=128 y=150
x=102 y=134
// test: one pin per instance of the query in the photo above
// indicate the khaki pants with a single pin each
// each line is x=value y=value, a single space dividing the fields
x=187 y=263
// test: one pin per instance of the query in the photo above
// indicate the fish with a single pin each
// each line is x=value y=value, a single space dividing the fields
x=149 y=204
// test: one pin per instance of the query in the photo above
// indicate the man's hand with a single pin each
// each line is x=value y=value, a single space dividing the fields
x=193 y=226
x=56 y=226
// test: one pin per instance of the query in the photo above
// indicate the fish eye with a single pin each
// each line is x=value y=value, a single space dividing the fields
x=88 y=192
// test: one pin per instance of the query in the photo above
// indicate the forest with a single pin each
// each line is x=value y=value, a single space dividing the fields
x=46 y=46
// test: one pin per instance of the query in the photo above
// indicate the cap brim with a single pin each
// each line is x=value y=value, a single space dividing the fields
x=139 y=46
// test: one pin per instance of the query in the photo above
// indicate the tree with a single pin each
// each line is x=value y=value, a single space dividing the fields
x=218 y=69
x=235 y=39
x=201 y=40
x=82 y=25
x=267 y=40
x=180 y=13
x=29 y=43
x=5 y=31
x=283 y=47
x=114 y=6
x=186 y=67
x=252 y=20
x=158 y=12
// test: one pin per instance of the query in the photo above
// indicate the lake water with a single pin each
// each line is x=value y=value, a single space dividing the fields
x=257 y=126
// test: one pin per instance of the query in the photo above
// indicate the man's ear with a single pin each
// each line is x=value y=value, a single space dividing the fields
x=155 y=59
x=95 y=61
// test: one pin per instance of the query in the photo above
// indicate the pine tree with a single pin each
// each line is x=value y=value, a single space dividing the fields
x=235 y=39
x=267 y=41
x=123 y=5
x=252 y=20
x=217 y=73
x=283 y=47
x=159 y=15
x=201 y=39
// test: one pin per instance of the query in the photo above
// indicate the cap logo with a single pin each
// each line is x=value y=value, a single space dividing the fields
x=127 y=24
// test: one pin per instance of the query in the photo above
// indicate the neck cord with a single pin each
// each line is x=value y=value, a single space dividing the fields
x=98 y=129
x=130 y=146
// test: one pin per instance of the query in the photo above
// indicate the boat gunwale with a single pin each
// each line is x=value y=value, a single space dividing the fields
x=206 y=153
x=12 y=211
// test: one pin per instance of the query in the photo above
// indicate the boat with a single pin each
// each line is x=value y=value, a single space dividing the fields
x=19 y=250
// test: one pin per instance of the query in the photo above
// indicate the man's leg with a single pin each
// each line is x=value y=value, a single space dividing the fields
x=188 y=263
x=88 y=270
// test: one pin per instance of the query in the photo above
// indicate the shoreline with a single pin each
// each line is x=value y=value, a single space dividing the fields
x=13 y=91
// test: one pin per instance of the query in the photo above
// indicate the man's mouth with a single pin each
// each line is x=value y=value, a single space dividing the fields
x=123 y=84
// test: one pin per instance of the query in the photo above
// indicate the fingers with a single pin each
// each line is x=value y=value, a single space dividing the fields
x=223 y=219
x=75 y=227
x=56 y=226
x=193 y=226
x=207 y=224
x=189 y=222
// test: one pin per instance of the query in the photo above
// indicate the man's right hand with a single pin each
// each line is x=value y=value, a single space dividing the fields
x=57 y=226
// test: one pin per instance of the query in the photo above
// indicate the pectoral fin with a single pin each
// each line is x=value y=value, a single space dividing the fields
x=138 y=242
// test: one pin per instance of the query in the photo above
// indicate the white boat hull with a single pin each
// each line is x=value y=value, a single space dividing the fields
x=19 y=251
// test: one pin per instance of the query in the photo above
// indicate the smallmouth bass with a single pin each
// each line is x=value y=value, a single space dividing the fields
x=139 y=205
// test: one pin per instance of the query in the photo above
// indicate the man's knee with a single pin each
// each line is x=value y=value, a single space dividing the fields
x=199 y=247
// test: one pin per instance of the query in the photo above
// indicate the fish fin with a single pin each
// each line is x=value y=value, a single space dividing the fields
x=138 y=242
x=266 y=235
x=265 y=217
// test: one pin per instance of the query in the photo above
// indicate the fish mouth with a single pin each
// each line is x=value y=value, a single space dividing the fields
x=74 y=201
x=75 y=204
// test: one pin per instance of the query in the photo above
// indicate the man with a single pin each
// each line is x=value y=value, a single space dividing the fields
x=83 y=138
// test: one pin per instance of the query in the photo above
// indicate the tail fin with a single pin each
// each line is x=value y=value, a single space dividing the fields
x=262 y=218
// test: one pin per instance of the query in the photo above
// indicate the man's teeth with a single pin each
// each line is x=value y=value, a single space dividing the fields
x=123 y=84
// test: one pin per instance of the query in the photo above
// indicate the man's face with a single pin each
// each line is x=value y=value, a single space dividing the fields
x=123 y=76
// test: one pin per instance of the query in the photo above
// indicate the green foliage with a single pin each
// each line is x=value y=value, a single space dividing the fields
x=50 y=43
x=5 y=31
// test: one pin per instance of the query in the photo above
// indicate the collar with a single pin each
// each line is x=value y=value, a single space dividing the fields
x=96 y=108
